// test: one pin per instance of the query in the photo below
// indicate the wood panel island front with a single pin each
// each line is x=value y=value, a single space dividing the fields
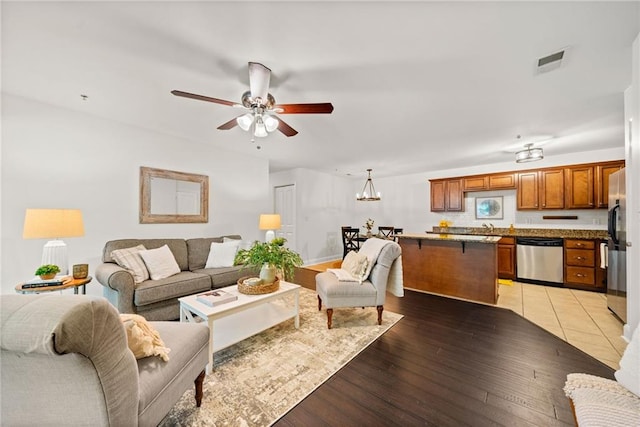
x=461 y=266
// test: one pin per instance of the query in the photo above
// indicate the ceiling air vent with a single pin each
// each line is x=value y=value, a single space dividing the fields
x=550 y=62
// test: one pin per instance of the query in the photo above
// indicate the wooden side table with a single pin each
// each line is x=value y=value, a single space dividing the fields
x=73 y=283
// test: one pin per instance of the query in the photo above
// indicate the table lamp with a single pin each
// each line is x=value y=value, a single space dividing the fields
x=269 y=222
x=53 y=223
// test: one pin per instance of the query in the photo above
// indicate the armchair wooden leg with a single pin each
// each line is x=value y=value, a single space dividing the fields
x=380 y=308
x=329 y=316
x=319 y=303
x=198 y=382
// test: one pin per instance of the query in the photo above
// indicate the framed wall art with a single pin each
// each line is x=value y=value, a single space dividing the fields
x=489 y=207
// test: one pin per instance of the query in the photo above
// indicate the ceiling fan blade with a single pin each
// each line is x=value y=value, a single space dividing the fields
x=204 y=98
x=285 y=128
x=259 y=78
x=229 y=125
x=319 y=108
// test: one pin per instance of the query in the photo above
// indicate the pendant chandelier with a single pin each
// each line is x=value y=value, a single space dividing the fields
x=369 y=193
x=529 y=154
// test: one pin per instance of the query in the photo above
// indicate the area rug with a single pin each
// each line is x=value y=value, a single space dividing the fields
x=258 y=380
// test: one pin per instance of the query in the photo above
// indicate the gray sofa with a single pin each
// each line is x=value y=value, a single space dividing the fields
x=65 y=361
x=158 y=299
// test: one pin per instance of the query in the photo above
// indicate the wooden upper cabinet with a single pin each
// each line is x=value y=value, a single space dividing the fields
x=579 y=192
x=527 y=193
x=542 y=189
x=581 y=186
x=502 y=181
x=551 y=189
x=447 y=195
x=602 y=181
x=437 y=196
x=454 y=196
x=497 y=181
x=475 y=183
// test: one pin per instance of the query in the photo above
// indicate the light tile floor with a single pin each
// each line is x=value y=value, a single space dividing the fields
x=578 y=317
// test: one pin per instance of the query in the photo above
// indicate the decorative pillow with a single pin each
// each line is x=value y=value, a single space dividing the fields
x=160 y=262
x=222 y=254
x=143 y=340
x=244 y=244
x=130 y=259
x=356 y=265
x=629 y=373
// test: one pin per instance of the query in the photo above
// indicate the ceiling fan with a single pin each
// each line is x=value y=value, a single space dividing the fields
x=261 y=118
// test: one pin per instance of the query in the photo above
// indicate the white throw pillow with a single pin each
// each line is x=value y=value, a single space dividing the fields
x=222 y=254
x=629 y=373
x=129 y=258
x=160 y=262
x=244 y=244
x=356 y=265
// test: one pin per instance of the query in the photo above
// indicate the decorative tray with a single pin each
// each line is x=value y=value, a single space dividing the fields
x=263 y=288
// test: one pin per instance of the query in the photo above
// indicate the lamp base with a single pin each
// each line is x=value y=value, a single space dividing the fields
x=269 y=236
x=55 y=252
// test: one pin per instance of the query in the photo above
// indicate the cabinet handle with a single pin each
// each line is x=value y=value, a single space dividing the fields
x=580 y=275
x=579 y=244
x=580 y=258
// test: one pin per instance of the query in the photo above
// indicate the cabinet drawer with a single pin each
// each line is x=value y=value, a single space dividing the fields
x=580 y=275
x=579 y=244
x=580 y=257
x=507 y=241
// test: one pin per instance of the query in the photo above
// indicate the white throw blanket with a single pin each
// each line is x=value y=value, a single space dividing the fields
x=342 y=275
x=371 y=249
x=395 y=285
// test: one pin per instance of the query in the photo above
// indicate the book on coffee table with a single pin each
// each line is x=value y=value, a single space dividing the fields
x=216 y=297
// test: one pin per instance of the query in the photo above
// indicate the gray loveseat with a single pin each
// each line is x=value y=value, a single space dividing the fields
x=158 y=299
x=65 y=361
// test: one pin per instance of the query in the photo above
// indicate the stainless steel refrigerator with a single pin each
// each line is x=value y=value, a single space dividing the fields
x=617 y=246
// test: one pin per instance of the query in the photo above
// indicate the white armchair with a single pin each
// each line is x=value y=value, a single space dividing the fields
x=385 y=275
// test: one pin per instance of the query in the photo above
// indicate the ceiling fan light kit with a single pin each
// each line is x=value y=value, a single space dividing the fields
x=260 y=119
x=369 y=193
x=529 y=154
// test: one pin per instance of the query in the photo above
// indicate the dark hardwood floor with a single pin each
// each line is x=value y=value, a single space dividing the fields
x=450 y=363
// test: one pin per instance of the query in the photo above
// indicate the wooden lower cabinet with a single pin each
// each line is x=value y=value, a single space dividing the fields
x=507 y=258
x=582 y=264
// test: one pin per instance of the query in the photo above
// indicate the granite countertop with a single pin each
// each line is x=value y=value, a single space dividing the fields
x=451 y=237
x=524 y=232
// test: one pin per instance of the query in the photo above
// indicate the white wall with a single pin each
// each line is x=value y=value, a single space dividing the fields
x=56 y=158
x=323 y=205
x=632 y=153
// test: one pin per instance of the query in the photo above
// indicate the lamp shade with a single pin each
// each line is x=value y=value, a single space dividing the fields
x=269 y=222
x=52 y=223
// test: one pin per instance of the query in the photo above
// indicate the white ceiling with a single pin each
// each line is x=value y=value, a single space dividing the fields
x=416 y=86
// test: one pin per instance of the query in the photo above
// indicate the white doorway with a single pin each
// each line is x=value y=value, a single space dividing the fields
x=285 y=205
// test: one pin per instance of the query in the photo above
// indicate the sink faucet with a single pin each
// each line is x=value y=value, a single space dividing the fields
x=489 y=227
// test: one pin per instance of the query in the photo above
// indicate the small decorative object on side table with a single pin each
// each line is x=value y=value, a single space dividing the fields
x=24 y=288
x=80 y=271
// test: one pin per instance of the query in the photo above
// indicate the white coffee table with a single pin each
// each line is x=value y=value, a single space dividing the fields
x=235 y=321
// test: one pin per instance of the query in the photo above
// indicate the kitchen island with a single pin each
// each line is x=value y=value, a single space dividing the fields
x=462 y=266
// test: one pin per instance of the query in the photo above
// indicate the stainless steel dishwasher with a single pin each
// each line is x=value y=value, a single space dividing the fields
x=539 y=260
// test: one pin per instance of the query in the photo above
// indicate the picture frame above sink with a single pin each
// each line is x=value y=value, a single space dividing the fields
x=489 y=207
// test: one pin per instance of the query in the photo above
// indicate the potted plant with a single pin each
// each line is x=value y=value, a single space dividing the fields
x=271 y=257
x=47 y=271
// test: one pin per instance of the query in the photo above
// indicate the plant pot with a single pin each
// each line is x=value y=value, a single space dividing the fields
x=48 y=276
x=268 y=273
